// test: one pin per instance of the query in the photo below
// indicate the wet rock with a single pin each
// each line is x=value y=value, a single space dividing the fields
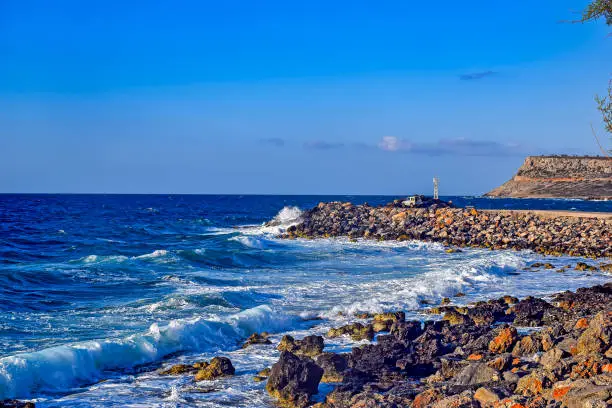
x=582 y=266
x=530 y=311
x=454 y=318
x=406 y=331
x=384 y=321
x=309 y=346
x=179 y=369
x=218 y=367
x=356 y=331
x=504 y=341
x=257 y=338
x=333 y=365
x=377 y=359
x=294 y=380
x=510 y=300
x=262 y=375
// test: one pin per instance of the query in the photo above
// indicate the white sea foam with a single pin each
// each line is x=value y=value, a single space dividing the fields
x=104 y=258
x=63 y=367
x=443 y=280
x=253 y=241
x=155 y=254
x=286 y=217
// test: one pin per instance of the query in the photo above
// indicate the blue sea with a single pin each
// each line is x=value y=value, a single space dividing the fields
x=98 y=292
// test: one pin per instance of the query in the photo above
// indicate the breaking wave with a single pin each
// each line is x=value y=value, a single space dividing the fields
x=61 y=368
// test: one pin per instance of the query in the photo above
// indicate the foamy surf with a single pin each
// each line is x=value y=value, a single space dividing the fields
x=62 y=368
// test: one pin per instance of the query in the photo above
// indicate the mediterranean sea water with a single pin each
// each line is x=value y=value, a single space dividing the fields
x=97 y=292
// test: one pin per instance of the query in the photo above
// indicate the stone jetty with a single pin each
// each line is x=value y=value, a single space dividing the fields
x=576 y=235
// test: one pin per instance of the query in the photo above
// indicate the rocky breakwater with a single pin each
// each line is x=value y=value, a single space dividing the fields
x=571 y=235
x=505 y=353
x=587 y=177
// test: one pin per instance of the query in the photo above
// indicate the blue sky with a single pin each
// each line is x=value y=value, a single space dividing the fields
x=354 y=97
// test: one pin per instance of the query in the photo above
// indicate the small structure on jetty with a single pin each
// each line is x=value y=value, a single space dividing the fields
x=435 y=182
x=421 y=201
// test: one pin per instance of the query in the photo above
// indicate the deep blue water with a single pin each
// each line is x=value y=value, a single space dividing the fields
x=96 y=287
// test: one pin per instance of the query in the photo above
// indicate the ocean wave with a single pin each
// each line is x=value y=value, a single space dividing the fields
x=286 y=217
x=62 y=368
x=103 y=258
x=255 y=242
x=443 y=280
x=158 y=253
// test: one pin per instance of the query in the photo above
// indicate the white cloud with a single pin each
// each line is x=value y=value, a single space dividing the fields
x=390 y=143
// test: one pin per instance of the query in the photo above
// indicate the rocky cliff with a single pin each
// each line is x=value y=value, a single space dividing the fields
x=586 y=177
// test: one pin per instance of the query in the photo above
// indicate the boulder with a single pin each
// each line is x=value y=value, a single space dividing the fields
x=486 y=396
x=501 y=362
x=262 y=375
x=218 y=367
x=427 y=398
x=294 y=380
x=333 y=365
x=505 y=339
x=533 y=384
x=551 y=359
x=406 y=331
x=357 y=331
x=257 y=338
x=464 y=400
x=309 y=346
x=593 y=393
x=529 y=311
x=476 y=373
x=179 y=369
x=455 y=318
x=596 y=338
x=384 y=321
x=527 y=346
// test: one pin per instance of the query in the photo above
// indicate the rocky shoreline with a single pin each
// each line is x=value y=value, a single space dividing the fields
x=500 y=353
x=458 y=227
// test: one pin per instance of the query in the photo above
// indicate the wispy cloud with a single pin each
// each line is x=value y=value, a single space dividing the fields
x=273 y=141
x=450 y=147
x=456 y=147
x=476 y=75
x=322 y=145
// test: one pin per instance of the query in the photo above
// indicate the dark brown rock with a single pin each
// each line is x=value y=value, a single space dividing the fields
x=256 y=338
x=294 y=380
